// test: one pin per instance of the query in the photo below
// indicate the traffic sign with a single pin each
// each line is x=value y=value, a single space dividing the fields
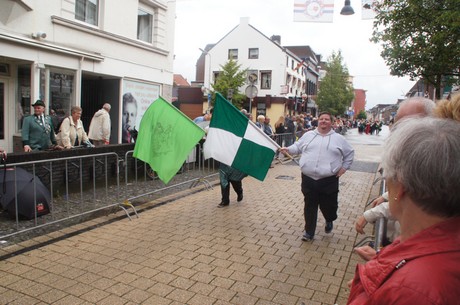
x=251 y=91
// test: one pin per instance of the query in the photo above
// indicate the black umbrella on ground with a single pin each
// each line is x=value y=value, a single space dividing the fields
x=27 y=193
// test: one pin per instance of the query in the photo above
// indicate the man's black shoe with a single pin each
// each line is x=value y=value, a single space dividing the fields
x=329 y=226
x=222 y=205
x=239 y=198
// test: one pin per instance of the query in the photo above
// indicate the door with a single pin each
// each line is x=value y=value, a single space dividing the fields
x=3 y=115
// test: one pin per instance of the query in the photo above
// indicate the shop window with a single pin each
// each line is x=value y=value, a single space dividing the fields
x=261 y=109
x=265 y=79
x=144 y=26
x=23 y=94
x=61 y=92
x=87 y=11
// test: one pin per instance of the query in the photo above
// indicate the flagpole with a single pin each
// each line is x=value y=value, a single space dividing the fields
x=264 y=134
x=271 y=140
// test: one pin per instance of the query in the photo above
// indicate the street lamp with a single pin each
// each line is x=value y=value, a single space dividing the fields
x=347 y=9
x=209 y=76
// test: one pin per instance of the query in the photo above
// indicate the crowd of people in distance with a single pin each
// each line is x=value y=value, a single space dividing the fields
x=369 y=127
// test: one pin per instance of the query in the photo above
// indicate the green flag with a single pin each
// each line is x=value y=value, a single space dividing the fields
x=237 y=142
x=166 y=137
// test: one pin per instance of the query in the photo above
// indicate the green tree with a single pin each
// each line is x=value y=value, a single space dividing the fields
x=335 y=93
x=420 y=38
x=230 y=79
x=362 y=115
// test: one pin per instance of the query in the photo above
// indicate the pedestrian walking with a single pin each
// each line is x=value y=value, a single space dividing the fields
x=229 y=175
x=325 y=156
x=99 y=128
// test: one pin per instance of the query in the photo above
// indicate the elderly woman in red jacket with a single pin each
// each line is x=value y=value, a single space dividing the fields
x=422 y=170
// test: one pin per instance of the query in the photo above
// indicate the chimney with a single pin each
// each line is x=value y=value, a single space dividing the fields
x=276 y=38
x=244 y=20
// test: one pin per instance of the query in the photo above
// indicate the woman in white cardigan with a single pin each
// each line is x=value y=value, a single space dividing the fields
x=72 y=133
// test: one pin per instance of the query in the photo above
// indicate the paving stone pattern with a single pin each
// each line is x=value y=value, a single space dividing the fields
x=188 y=251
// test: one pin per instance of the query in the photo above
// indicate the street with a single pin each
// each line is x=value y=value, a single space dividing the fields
x=184 y=250
x=367 y=147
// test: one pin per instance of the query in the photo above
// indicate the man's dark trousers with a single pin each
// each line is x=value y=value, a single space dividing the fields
x=323 y=193
x=237 y=186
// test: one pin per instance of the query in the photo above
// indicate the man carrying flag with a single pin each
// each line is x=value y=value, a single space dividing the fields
x=166 y=137
x=235 y=141
x=325 y=156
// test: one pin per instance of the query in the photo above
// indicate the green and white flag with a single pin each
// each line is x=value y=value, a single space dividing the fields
x=166 y=137
x=236 y=141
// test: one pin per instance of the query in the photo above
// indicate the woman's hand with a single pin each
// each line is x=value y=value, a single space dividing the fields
x=360 y=224
x=366 y=252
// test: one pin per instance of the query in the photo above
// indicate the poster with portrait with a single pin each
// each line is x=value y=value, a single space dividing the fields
x=137 y=97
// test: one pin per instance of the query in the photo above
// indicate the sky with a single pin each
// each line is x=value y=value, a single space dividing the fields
x=202 y=22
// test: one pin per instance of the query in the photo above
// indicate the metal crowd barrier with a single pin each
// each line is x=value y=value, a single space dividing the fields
x=66 y=197
x=379 y=238
x=83 y=185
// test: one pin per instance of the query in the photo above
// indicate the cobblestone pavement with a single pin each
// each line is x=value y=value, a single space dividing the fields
x=188 y=251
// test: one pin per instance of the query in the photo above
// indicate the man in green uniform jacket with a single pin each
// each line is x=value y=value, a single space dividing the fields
x=38 y=129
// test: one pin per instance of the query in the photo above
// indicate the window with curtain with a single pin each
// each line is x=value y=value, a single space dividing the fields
x=233 y=54
x=87 y=11
x=265 y=79
x=253 y=53
x=144 y=26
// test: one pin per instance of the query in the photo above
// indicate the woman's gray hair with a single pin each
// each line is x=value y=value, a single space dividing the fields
x=423 y=155
x=75 y=109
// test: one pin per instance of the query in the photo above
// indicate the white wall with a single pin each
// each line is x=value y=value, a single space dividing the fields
x=114 y=38
x=271 y=56
x=110 y=49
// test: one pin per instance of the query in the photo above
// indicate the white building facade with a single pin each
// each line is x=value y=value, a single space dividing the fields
x=282 y=74
x=82 y=53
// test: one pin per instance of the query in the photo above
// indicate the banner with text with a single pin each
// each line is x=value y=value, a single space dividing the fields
x=137 y=97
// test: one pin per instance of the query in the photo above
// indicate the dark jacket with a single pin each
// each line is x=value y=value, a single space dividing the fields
x=290 y=127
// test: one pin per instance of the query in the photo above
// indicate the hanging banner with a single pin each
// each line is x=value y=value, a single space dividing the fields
x=313 y=10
